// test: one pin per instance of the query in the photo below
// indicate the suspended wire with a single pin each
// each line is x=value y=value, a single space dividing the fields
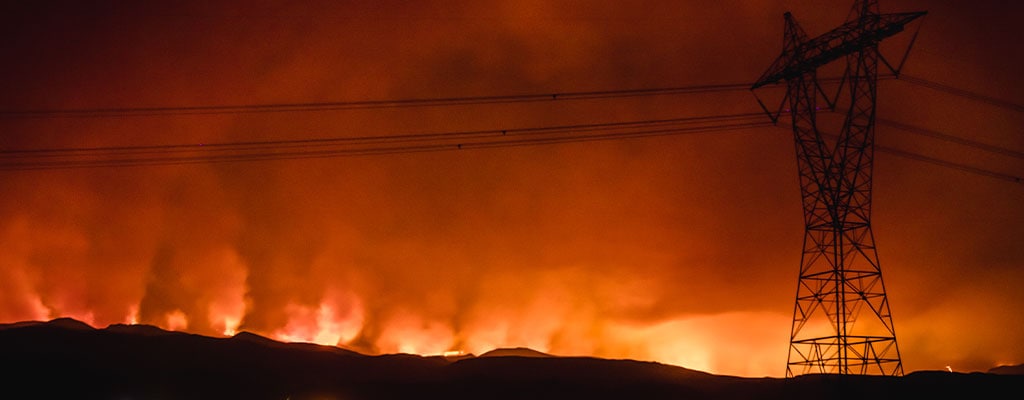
x=245 y=145
x=363 y=104
x=227 y=152
x=378 y=104
x=348 y=152
x=945 y=137
x=935 y=161
x=123 y=156
x=962 y=93
x=950 y=164
x=950 y=138
x=946 y=163
x=329 y=147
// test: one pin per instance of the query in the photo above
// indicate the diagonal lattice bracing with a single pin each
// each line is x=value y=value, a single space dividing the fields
x=841 y=320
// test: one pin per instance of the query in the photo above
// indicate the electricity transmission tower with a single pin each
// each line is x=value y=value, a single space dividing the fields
x=840 y=280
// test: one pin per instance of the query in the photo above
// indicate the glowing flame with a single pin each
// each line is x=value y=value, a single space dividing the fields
x=409 y=333
x=86 y=316
x=337 y=320
x=231 y=326
x=710 y=342
x=133 y=315
x=176 y=320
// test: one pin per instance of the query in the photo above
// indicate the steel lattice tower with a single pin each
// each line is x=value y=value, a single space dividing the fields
x=840 y=278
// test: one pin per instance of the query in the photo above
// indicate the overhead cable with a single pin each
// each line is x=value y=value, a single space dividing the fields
x=81 y=157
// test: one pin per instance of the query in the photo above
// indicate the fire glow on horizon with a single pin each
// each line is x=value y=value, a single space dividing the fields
x=682 y=250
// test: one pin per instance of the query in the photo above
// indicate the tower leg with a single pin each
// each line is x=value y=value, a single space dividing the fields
x=841 y=320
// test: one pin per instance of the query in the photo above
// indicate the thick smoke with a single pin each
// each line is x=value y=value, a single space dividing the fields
x=677 y=249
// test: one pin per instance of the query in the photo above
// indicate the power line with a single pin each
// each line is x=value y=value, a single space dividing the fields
x=950 y=138
x=935 y=161
x=63 y=158
x=59 y=158
x=914 y=129
x=362 y=104
x=950 y=164
x=348 y=152
x=967 y=94
x=228 y=152
x=326 y=141
x=373 y=104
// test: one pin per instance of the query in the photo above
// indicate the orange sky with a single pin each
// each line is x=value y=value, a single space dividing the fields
x=680 y=249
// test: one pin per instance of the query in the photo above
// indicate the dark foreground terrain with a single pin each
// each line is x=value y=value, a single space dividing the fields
x=70 y=360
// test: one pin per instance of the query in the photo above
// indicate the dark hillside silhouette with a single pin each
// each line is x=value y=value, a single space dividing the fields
x=68 y=359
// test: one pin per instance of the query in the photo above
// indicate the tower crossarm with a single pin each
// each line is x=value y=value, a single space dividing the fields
x=839 y=42
x=840 y=278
